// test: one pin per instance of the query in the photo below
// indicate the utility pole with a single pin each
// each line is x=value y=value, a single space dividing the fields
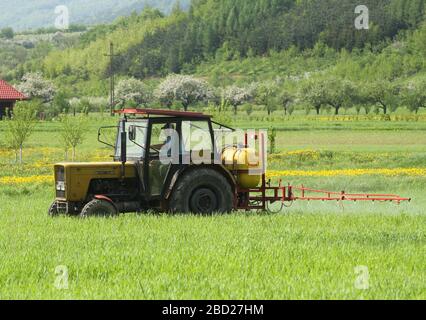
x=111 y=55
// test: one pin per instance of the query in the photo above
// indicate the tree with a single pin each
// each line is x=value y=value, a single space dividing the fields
x=272 y=135
x=249 y=109
x=314 y=93
x=361 y=97
x=236 y=96
x=34 y=86
x=176 y=9
x=84 y=106
x=384 y=94
x=220 y=113
x=21 y=126
x=7 y=33
x=172 y=62
x=165 y=94
x=266 y=95
x=338 y=93
x=232 y=21
x=286 y=98
x=187 y=90
x=414 y=96
x=73 y=130
x=61 y=103
x=132 y=90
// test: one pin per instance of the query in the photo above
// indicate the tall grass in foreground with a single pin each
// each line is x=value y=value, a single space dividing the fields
x=301 y=255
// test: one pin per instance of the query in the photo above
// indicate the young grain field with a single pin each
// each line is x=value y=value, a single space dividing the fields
x=309 y=251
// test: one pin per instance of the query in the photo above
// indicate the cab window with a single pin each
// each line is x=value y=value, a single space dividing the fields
x=164 y=137
x=136 y=148
x=196 y=136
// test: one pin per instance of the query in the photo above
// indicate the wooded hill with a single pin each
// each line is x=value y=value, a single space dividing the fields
x=246 y=40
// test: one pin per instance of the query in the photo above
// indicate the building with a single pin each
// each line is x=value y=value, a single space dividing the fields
x=8 y=97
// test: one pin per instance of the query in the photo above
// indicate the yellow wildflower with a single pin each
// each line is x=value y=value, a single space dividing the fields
x=25 y=180
x=349 y=172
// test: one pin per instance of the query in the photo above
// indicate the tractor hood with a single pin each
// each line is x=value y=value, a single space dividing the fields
x=94 y=165
x=73 y=178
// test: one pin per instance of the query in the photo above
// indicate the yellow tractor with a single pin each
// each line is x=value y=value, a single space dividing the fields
x=144 y=177
x=159 y=165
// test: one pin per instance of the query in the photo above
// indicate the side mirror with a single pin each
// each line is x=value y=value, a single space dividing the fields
x=132 y=133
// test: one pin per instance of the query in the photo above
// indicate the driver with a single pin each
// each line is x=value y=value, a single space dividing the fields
x=168 y=139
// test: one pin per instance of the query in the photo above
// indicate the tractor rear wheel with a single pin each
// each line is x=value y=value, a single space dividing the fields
x=98 y=208
x=203 y=191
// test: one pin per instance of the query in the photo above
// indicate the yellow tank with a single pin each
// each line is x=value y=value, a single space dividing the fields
x=239 y=161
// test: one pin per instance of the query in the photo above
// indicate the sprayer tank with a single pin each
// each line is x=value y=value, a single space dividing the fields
x=245 y=164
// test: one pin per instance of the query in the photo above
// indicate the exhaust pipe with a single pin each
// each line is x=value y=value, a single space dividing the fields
x=123 y=155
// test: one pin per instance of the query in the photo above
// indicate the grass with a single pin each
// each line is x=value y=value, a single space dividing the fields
x=308 y=251
x=298 y=255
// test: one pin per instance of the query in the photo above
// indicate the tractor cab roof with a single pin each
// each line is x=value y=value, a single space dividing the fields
x=150 y=113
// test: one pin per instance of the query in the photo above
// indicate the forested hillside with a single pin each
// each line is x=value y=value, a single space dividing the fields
x=234 y=29
x=238 y=41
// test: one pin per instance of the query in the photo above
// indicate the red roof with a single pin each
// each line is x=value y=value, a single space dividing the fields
x=7 y=92
x=157 y=112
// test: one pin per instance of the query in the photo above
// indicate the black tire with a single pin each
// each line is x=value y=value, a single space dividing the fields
x=54 y=210
x=202 y=191
x=98 y=208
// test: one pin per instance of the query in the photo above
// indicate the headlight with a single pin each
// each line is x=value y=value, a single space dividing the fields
x=60 y=186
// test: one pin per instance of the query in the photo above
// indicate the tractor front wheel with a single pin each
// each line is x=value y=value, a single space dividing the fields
x=203 y=191
x=54 y=210
x=98 y=208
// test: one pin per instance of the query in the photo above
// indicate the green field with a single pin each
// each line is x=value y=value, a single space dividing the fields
x=308 y=251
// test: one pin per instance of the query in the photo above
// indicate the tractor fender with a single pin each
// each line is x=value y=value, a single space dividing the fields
x=219 y=168
x=105 y=198
x=101 y=197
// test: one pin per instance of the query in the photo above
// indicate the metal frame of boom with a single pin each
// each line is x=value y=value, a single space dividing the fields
x=259 y=198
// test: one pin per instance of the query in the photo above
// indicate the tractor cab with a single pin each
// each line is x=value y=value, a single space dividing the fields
x=159 y=142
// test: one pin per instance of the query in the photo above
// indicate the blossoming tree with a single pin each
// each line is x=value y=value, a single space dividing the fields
x=132 y=90
x=33 y=85
x=236 y=96
x=187 y=90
